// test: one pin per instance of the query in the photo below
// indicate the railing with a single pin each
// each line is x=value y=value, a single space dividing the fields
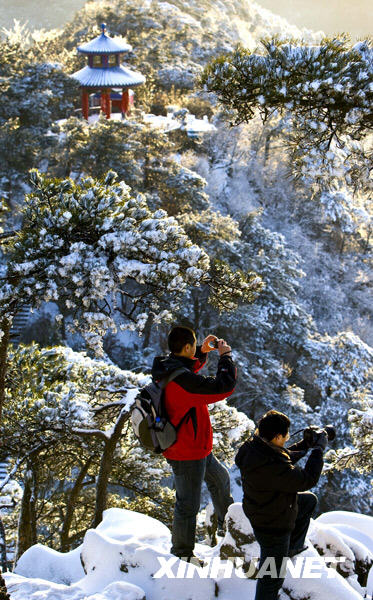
x=19 y=323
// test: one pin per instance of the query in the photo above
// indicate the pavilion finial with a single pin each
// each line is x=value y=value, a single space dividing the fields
x=103 y=27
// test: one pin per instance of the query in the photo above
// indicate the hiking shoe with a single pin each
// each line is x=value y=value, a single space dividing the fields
x=295 y=551
x=193 y=560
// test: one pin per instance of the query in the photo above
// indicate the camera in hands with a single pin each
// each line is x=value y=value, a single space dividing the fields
x=313 y=435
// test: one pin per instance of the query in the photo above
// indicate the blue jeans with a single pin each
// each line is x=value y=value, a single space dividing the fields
x=278 y=546
x=188 y=478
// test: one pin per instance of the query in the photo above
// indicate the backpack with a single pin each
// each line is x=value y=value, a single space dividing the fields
x=149 y=419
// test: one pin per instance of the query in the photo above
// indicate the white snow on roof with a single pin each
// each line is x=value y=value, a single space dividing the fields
x=108 y=77
x=104 y=44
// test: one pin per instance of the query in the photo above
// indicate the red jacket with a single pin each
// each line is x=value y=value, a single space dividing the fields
x=191 y=393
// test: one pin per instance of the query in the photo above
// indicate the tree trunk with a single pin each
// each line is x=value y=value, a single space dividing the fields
x=197 y=312
x=103 y=481
x=33 y=502
x=3 y=556
x=147 y=331
x=342 y=243
x=267 y=147
x=70 y=507
x=4 y=343
x=368 y=238
x=106 y=465
x=3 y=591
x=25 y=535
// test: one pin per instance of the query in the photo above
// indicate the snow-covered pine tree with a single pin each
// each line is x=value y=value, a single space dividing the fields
x=324 y=94
x=89 y=245
x=327 y=87
x=140 y=155
x=360 y=417
x=267 y=334
x=34 y=92
x=129 y=148
x=63 y=421
x=66 y=430
x=340 y=368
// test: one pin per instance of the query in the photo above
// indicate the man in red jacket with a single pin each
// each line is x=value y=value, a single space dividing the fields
x=191 y=457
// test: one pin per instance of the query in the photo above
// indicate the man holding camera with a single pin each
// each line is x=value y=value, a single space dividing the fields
x=275 y=499
x=191 y=458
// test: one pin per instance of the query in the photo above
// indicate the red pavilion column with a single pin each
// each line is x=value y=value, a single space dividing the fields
x=107 y=103
x=125 y=102
x=103 y=101
x=85 y=104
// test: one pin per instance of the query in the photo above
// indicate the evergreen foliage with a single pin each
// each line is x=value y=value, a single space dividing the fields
x=324 y=95
x=86 y=244
x=140 y=156
x=61 y=409
x=326 y=87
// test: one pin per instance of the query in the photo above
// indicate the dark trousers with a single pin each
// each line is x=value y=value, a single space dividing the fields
x=188 y=478
x=279 y=546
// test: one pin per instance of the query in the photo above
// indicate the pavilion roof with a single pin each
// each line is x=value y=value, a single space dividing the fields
x=108 y=77
x=103 y=44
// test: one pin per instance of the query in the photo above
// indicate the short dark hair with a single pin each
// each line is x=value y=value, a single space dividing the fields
x=273 y=423
x=180 y=336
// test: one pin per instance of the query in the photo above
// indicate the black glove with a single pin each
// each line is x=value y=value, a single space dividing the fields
x=322 y=441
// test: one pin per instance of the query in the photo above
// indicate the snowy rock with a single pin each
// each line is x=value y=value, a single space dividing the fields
x=211 y=525
x=120 y=590
x=369 y=593
x=342 y=533
x=46 y=563
x=128 y=546
x=123 y=525
x=308 y=578
x=329 y=541
x=239 y=539
x=39 y=589
x=127 y=557
x=362 y=523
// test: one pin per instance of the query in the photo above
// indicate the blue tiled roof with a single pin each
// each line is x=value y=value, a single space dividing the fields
x=109 y=77
x=103 y=44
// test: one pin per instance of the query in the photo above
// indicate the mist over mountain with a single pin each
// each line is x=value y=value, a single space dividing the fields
x=333 y=17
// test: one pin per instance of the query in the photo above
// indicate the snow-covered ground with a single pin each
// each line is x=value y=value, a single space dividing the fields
x=127 y=557
x=190 y=124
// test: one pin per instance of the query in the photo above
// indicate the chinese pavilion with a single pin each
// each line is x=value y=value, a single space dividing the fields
x=104 y=74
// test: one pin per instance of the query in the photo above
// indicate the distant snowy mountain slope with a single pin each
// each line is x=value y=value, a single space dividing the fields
x=174 y=40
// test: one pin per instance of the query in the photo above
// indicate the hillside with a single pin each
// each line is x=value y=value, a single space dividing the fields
x=178 y=38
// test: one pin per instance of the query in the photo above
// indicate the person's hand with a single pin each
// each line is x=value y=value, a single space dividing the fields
x=223 y=348
x=322 y=441
x=206 y=347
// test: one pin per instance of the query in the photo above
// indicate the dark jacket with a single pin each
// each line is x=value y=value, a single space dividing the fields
x=190 y=392
x=270 y=482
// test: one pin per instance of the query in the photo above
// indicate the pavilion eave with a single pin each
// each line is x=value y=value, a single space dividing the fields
x=119 y=76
